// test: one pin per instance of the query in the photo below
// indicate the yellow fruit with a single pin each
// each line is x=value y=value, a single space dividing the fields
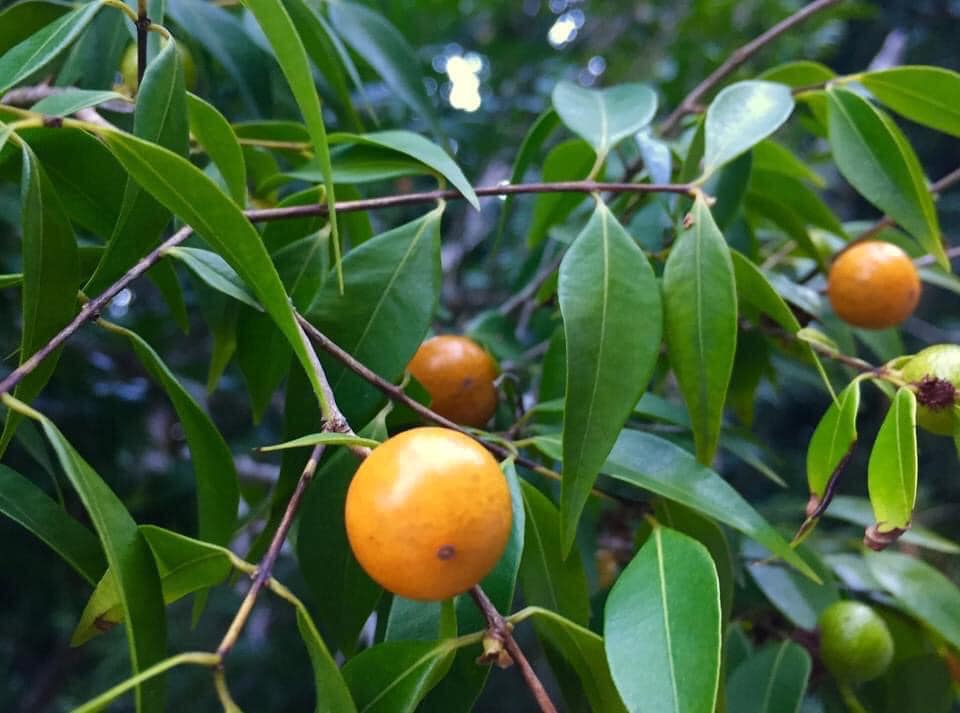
x=428 y=513
x=855 y=643
x=935 y=372
x=873 y=284
x=128 y=67
x=458 y=374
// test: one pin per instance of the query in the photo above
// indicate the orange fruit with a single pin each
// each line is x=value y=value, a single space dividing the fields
x=855 y=643
x=935 y=372
x=428 y=513
x=458 y=374
x=873 y=284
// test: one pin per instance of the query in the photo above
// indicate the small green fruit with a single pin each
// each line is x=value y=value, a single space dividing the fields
x=936 y=373
x=128 y=67
x=855 y=643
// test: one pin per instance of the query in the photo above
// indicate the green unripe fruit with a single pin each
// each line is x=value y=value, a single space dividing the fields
x=128 y=67
x=936 y=373
x=855 y=643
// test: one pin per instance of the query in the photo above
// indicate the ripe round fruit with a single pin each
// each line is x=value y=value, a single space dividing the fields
x=873 y=284
x=936 y=373
x=128 y=67
x=458 y=374
x=428 y=513
x=855 y=643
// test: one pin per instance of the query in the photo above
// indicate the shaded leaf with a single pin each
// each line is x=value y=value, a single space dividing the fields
x=327 y=438
x=772 y=680
x=215 y=272
x=73 y=100
x=567 y=161
x=393 y=677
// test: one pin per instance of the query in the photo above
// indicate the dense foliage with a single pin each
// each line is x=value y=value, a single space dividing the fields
x=702 y=457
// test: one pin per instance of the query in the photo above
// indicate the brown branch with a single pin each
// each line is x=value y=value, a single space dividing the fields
x=143 y=27
x=739 y=56
x=499 y=629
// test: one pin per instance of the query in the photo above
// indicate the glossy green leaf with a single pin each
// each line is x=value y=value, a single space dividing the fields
x=921 y=590
x=799 y=599
x=662 y=627
x=700 y=315
x=161 y=118
x=73 y=100
x=50 y=279
x=464 y=682
x=25 y=503
x=654 y=464
x=129 y=557
x=391 y=289
x=419 y=148
x=768 y=155
x=40 y=48
x=333 y=695
x=218 y=492
x=393 y=677
x=326 y=438
x=215 y=272
x=186 y=191
x=411 y=620
x=546 y=577
x=878 y=161
x=741 y=116
x=772 y=680
x=584 y=651
x=926 y=95
x=833 y=441
x=567 y=161
x=383 y=47
x=859 y=512
x=612 y=320
x=184 y=566
x=604 y=117
x=213 y=132
x=344 y=594
x=892 y=471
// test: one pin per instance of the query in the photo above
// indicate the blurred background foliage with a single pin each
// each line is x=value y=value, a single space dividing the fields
x=510 y=54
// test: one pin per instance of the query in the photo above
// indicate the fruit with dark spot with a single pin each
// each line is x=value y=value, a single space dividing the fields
x=458 y=374
x=935 y=373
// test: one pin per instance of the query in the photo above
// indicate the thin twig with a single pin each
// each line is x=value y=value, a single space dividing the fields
x=143 y=27
x=739 y=56
x=532 y=287
x=498 y=628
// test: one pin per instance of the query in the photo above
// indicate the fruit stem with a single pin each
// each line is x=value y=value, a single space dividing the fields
x=499 y=629
x=850 y=699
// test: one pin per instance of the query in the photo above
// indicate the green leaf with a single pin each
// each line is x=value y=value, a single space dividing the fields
x=546 y=577
x=604 y=117
x=73 y=100
x=161 y=119
x=768 y=155
x=25 y=503
x=214 y=134
x=700 y=311
x=215 y=272
x=383 y=47
x=741 y=116
x=419 y=148
x=892 y=471
x=567 y=161
x=794 y=195
x=799 y=599
x=40 y=48
x=326 y=438
x=128 y=556
x=833 y=441
x=184 y=566
x=799 y=74
x=773 y=680
x=393 y=677
x=612 y=319
x=288 y=48
x=218 y=492
x=651 y=463
x=12 y=280
x=859 y=512
x=464 y=682
x=662 y=627
x=921 y=590
x=878 y=161
x=344 y=594
x=391 y=289
x=190 y=194
x=584 y=651
x=926 y=95
x=50 y=277
x=21 y=20
x=657 y=159
x=333 y=695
